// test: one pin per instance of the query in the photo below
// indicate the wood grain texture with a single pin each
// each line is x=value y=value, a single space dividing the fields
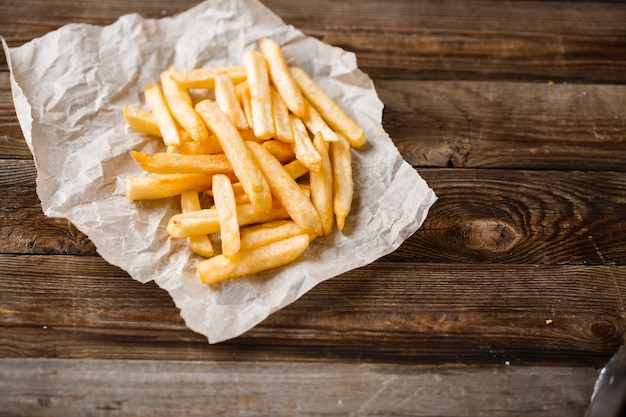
x=517 y=216
x=410 y=313
x=482 y=40
x=506 y=124
x=505 y=302
x=120 y=388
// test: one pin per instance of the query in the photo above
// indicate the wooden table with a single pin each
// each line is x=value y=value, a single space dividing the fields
x=506 y=302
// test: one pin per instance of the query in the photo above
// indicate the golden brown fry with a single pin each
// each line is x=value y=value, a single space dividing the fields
x=206 y=221
x=281 y=150
x=295 y=169
x=244 y=165
x=287 y=191
x=226 y=208
x=303 y=147
x=199 y=244
x=201 y=147
x=243 y=94
x=316 y=123
x=265 y=233
x=205 y=77
x=158 y=106
x=141 y=120
x=270 y=256
x=260 y=96
x=334 y=115
x=281 y=118
x=150 y=187
x=322 y=185
x=281 y=76
x=173 y=163
x=179 y=102
x=342 y=179
x=226 y=98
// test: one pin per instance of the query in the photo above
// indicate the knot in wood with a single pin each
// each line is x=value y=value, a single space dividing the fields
x=492 y=235
x=605 y=330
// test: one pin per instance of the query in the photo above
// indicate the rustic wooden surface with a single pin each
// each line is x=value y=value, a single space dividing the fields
x=506 y=302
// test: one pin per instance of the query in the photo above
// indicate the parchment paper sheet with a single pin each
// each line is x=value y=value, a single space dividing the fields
x=69 y=88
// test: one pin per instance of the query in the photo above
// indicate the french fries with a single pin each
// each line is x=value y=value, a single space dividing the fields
x=254 y=184
x=178 y=163
x=343 y=186
x=287 y=191
x=281 y=76
x=270 y=154
x=272 y=255
x=226 y=208
x=205 y=77
x=141 y=121
x=260 y=95
x=199 y=244
x=303 y=147
x=322 y=185
x=164 y=119
x=336 y=117
x=179 y=103
x=227 y=100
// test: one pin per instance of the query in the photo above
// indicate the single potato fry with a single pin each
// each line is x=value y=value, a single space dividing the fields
x=244 y=165
x=206 y=221
x=281 y=150
x=141 y=121
x=243 y=94
x=205 y=77
x=281 y=76
x=179 y=102
x=287 y=191
x=200 y=147
x=151 y=187
x=199 y=244
x=303 y=147
x=273 y=255
x=265 y=233
x=316 y=123
x=174 y=163
x=226 y=98
x=281 y=118
x=322 y=186
x=226 y=208
x=295 y=169
x=260 y=96
x=343 y=185
x=334 y=115
x=158 y=106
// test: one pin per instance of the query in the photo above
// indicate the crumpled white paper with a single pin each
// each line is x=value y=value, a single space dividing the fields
x=69 y=88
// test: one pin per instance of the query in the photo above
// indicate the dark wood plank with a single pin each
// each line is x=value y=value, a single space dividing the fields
x=515 y=216
x=12 y=144
x=475 y=40
x=481 y=40
x=81 y=307
x=40 y=234
x=164 y=388
x=506 y=124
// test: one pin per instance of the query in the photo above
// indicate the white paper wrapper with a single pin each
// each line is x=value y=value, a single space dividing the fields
x=69 y=88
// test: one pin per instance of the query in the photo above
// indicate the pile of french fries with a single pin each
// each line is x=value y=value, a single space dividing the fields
x=262 y=165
